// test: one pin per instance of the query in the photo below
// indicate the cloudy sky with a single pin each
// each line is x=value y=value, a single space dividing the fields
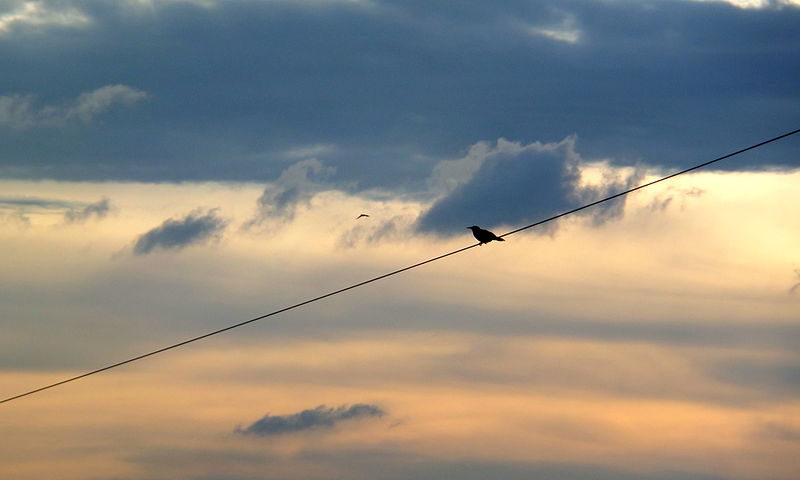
x=169 y=168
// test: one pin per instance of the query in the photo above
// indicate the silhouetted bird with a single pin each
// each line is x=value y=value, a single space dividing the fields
x=484 y=236
x=362 y=215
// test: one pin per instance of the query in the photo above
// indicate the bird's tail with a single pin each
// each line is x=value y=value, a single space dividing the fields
x=499 y=239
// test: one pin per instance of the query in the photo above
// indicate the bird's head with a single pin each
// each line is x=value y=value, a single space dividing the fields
x=473 y=227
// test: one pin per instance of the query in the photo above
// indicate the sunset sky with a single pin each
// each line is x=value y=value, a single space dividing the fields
x=170 y=168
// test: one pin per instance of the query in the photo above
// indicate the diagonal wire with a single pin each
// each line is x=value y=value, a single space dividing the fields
x=395 y=272
x=645 y=185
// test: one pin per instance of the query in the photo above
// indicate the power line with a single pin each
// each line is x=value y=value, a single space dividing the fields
x=612 y=197
x=395 y=272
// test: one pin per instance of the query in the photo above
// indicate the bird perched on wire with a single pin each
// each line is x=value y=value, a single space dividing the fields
x=484 y=236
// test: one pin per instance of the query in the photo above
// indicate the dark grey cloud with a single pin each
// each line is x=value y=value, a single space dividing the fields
x=98 y=209
x=395 y=88
x=173 y=234
x=515 y=184
x=319 y=417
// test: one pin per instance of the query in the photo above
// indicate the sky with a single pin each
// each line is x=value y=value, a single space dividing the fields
x=170 y=168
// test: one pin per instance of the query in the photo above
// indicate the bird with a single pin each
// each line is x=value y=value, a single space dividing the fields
x=484 y=236
x=362 y=215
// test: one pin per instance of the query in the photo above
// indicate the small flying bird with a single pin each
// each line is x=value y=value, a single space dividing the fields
x=362 y=215
x=484 y=236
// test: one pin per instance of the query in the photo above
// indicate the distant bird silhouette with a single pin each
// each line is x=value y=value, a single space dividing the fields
x=362 y=215
x=484 y=236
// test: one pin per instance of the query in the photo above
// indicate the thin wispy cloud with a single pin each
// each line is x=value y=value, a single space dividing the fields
x=40 y=14
x=566 y=30
x=24 y=111
x=395 y=228
x=97 y=209
x=74 y=211
x=295 y=187
x=174 y=234
x=778 y=376
x=661 y=202
x=311 y=419
x=756 y=4
x=37 y=202
x=784 y=431
x=796 y=287
x=308 y=151
x=15 y=217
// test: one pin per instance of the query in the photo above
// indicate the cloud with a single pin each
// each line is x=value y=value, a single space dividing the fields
x=794 y=288
x=295 y=187
x=88 y=105
x=23 y=111
x=389 y=467
x=74 y=211
x=396 y=228
x=308 y=151
x=197 y=227
x=319 y=417
x=448 y=175
x=534 y=339
x=779 y=377
x=98 y=209
x=747 y=4
x=42 y=14
x=565 y=30
x=35 y=202
x=669 y=83
x=511 y=184
x=661 y=202
x=15 y=217
x=783 y=431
